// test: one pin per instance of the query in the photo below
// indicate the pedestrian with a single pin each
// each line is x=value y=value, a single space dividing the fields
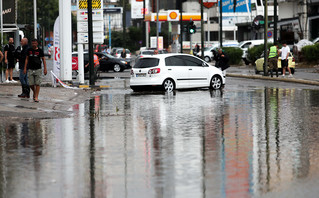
x=21 y=54
x=285 y=51
x=221 y=60
x=33 y=63
x=9 y=60
x=273 y=59
x=123 y=54
x=196 y=49
x=155 y=52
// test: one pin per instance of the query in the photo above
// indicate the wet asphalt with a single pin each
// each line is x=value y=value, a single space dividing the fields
x=252 y=139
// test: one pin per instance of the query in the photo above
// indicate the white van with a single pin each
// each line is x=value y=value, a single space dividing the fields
x=208 y=52
x=245 y=45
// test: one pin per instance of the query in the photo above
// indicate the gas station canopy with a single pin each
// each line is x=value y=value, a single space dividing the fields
x=174 y=15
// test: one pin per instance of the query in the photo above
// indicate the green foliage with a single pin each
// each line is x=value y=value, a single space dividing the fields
x=234 y=54
x=47 y=12
x=255 y=52
x=311 y=52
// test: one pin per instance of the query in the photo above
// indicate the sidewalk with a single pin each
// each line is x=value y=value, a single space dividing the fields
x=54 y=102
x=308 y=76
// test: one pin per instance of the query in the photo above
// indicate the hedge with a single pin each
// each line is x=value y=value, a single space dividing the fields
x=234 y=54
x=255 y=52
x=311 y=53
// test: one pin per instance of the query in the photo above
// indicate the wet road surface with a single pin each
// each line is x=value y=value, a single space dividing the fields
x=249 y=140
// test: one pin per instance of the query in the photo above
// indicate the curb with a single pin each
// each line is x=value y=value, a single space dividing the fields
x=293 y=80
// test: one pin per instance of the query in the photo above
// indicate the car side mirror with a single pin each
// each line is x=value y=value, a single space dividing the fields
x=204 y=64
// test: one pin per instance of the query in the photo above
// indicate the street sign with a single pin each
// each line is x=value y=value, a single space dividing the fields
x=97 y=15
x=96 y=4
x=98 y=37
x=98 y=26
x=209 y=3
x=269 y=34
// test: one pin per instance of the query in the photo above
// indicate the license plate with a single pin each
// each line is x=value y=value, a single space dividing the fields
x=141 y=75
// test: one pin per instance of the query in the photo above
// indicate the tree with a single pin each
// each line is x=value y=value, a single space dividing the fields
x=47 y=12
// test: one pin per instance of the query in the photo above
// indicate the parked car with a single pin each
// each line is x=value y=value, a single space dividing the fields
x=100 y=48
x=245 y=45
x=174 y=71
x=291 y=64
x=119 y=51
x=114 y=50
x=208 y=52
x=109 y=62
x=75 y=65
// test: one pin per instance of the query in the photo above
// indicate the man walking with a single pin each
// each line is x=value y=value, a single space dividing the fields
x=273 y=59
x=9 y=60
x=285 y=50
x=221 y=61
x=21 y=54
x=33 y=60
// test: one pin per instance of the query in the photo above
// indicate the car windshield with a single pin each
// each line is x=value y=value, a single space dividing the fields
x=146 y=63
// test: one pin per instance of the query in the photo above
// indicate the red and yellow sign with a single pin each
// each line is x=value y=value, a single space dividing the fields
x=172 y=15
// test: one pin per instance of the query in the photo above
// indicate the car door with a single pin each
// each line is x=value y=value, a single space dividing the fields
x=197 y=72
x=178 y=70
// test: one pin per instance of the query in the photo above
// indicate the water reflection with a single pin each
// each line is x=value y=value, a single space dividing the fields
x=236 y=143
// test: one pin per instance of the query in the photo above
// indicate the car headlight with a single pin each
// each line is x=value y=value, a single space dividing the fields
x=123 y=62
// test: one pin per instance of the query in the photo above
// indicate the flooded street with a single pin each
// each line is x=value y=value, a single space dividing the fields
x=249 y=140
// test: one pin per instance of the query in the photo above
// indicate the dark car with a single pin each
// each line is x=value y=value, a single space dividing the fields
x=109 y=62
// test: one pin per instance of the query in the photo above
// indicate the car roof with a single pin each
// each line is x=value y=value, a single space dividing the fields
x=166 y=55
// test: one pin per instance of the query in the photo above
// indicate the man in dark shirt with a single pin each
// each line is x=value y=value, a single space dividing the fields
x=33 y=63
x=9 y=60
x=21 y=54
x=123 y=54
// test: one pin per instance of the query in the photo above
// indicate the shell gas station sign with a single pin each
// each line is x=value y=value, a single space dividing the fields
x=174 y=15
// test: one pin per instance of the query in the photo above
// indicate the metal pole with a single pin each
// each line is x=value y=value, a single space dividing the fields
x=202 y=27
x=80 y=63
x=181 y=27
x=90 y=28
x=144 y=25
x=147 y=35
x=35 y=17
x=265 y=39
x=124 y=23
x=110 y=32
x=275 y=21
x=157 y=32
x=221 y=23
x=1 y=21
x=208 y=24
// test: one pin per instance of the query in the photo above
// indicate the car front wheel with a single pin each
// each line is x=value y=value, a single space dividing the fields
x=117 y=68
x=207 y=59
x=168 y=85
x=216 y=82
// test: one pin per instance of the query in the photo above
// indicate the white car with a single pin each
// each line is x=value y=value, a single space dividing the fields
x=174 y=71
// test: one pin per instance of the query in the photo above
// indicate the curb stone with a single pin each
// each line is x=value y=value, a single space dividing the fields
x=293 y=80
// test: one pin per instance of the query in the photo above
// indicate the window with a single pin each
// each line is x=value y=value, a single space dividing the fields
x=191 y=61
x=146 y=63
x=246 y=45
x=175 y=61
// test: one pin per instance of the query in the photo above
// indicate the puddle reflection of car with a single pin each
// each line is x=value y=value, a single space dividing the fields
x=174 y=71
x=109 y=62
x=260 y=62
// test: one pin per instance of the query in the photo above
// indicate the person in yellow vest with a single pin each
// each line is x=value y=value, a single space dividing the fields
x=273 y=59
